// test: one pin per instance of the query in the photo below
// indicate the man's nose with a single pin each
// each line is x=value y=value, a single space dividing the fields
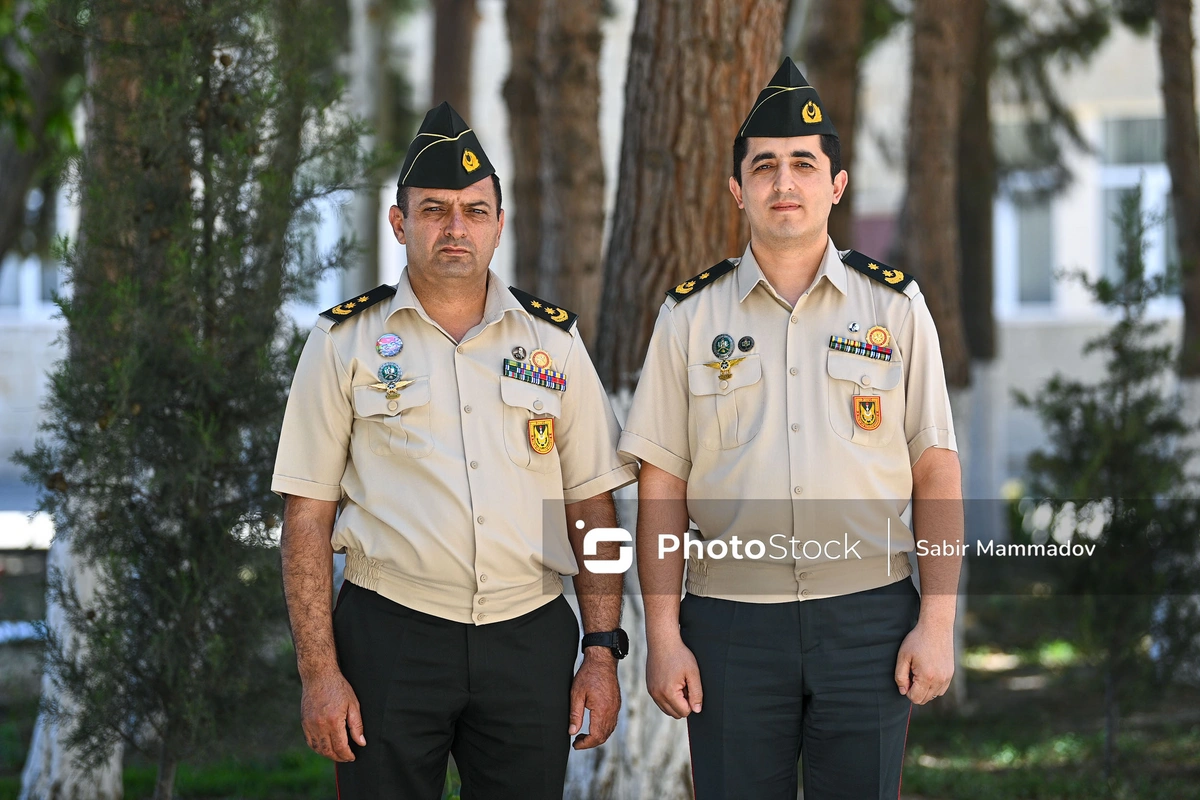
x=456 y=225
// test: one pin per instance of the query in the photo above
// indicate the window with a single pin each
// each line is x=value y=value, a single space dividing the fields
x=1133 y=141
x=1035 y=248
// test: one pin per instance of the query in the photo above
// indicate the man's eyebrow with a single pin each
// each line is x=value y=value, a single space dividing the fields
x=803 y=154
x=440 y=201
x=765 y=156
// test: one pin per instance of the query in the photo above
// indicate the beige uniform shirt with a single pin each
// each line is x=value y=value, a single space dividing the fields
x=773 y=451
x=445 y=505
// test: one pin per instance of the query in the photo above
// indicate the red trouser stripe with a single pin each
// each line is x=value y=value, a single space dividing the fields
x=902 y=749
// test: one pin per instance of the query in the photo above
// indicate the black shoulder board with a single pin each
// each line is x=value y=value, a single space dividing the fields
x=556 y=316
x=689 y=287
x=880 y=272
x=346 y=310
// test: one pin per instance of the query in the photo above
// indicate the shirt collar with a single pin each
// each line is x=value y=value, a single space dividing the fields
x=499 y=300
x=750 y=274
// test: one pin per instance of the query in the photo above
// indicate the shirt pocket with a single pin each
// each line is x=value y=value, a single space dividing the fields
x=728 y=412
x=851 y=375
x=523 y=402
x=397 y=426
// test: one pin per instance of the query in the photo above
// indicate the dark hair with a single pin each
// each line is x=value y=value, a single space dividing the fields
x=402 y=196
x=831 y=146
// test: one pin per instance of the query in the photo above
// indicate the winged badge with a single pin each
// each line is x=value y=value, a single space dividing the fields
x=725 y=366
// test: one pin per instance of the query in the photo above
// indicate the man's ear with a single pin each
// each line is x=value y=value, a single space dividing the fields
x=735 y=189
x=840 y=182
x=396 y=219
x=500 y=228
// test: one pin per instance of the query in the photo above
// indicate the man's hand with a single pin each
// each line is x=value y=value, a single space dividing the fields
x=673 y=678
x=595 y=687
x=327 y=708
x=926 y=662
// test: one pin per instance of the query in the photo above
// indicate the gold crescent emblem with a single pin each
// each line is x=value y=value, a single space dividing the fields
x=811 y=113
x=893 y=276
x=685 y=287
x=557 y=314
x=470 y=161
x=343 y=309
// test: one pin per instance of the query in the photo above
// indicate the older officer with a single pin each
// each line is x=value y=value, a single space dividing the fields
x=792 y=403
x=452 y=438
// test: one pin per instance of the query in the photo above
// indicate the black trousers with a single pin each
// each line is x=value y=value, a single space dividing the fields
x=783 y=678
x=496 y=696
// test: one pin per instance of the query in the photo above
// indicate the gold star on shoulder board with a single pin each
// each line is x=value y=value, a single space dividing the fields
x=872 y=265
x=703 y=275
x=536 y=304
x=363 y=299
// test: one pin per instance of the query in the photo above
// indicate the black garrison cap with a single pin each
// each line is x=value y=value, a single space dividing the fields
x=445 y=153
x=787 y=107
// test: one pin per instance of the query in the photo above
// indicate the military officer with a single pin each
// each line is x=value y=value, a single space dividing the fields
x=451 y=437
x=792 y=404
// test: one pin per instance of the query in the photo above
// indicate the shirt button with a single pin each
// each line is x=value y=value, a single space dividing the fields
x=794 y=371
x=479 y=519
x=799 y=490
x=482 y=600
x=795 y=427
x=803 y=576
x=459 y=348
x=795 y=320
x=724 y=384
x=483 y=578
x=804 y=593
x=393 y=405
x=474 y=465
x=537 y=404
x=467 y=409
x=481 y=617
x=866 y=380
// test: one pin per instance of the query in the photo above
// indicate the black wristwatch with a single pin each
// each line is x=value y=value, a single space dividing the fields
x=617 y=641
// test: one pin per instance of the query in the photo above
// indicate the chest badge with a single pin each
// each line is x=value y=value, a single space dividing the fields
x=389 y=345
x=541 y=359
x=722 y=345
x=541 y=435
x=867 y=413
x=726 y=366
x=879 y=336
x=746 y=344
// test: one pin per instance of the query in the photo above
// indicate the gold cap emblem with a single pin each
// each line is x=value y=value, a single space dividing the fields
x=811 y=113
x=470 y=161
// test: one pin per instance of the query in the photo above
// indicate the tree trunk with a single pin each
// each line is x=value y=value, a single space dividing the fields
x=695 y=67
x=164 y=781
x=1176 y=42
x=524 y=215
x=977 y=183
x=51 y=769
x=929 y=240
x=832 y=46
x=368 y=72
x=647 y=757
x=453 y=42
x=568 y=97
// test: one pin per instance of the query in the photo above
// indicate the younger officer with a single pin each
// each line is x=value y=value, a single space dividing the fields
x=451 y=436
x=793 y=403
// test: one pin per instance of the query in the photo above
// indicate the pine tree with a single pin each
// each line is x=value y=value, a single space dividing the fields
x=212 y=131
x=1114 y=457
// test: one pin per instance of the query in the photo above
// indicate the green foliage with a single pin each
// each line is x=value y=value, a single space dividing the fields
x=212 y=133
x=879 y=18
x=1114 y=467
x=1031 y=40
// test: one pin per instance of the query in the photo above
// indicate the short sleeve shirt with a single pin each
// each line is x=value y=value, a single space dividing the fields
x=771 y=447
x=446 y=506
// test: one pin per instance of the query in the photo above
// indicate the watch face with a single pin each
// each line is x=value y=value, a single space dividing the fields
x=621 y=648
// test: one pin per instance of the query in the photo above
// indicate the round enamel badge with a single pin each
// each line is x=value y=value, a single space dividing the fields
x=389 y=345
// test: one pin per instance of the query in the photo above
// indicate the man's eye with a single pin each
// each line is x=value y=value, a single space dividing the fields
x=433 y=208
x=761 y=167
